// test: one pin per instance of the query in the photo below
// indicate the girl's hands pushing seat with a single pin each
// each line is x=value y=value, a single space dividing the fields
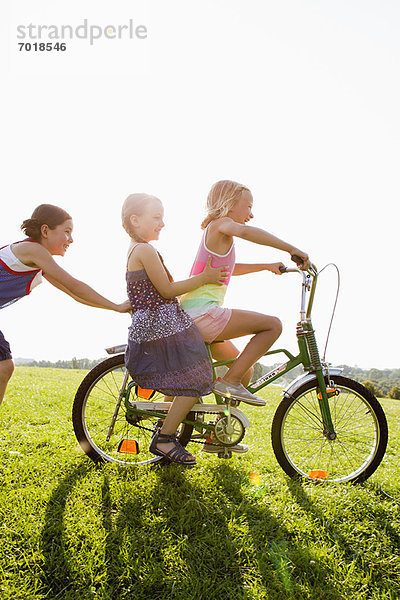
x=124 y=307
x=215 y=274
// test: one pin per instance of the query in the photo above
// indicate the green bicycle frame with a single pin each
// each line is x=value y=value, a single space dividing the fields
x=133 y=411
x=308 y=354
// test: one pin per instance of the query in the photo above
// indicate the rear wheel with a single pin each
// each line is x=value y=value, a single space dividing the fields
x=104 y=429
x=302 y=449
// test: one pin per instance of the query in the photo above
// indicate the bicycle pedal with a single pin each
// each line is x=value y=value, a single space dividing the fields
x=232 y=402
x=225 y=454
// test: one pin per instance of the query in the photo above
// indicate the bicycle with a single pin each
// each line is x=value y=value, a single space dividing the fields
x=326 y=428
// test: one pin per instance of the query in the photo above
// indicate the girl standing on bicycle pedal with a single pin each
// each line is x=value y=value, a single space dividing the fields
x=22 y=264
x=165 y=350
x=229 y=208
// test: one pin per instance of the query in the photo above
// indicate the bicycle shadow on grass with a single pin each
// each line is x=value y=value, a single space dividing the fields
x=56 y=577
x=183 y=538
x=179 y=536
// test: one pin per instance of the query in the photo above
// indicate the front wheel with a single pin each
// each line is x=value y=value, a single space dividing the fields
x=302 y=449
x=102 y=425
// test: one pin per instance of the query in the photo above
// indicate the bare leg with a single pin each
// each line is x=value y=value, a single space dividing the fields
x=6 y=370
x=242 y=322
x=226 y=350
x=166 y=399
x=178 y=411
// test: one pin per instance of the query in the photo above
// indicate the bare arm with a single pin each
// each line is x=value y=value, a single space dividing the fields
x=150 y=260
x=260 y=236
x=40 y=258
x=124 y=307
x=243 y=269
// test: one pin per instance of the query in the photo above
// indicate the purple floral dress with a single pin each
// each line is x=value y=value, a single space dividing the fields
x=165 y=350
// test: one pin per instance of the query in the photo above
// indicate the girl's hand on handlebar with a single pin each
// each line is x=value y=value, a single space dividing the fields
x=295 y=253
x=275 y=268
x=215 y=275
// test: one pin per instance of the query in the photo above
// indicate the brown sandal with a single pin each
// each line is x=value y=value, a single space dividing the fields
x=178 y=454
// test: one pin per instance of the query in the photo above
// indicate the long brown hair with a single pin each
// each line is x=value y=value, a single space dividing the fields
x=221 y=198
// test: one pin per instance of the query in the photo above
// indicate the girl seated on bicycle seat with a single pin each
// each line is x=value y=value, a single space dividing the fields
x=165 y=350
x=22 y=264
x=229 y=208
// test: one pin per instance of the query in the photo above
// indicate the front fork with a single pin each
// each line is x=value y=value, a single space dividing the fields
x=323 y=401
x=311 y=361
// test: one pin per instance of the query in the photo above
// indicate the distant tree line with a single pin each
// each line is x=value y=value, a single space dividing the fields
x=74 y=363
x=382 y=383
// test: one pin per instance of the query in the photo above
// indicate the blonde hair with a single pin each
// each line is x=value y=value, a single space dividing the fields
x=222 y=197
x=135 y=204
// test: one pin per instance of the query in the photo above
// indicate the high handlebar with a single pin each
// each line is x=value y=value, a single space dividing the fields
x=297 y=260
x=310 y=277
x=307 y=286
x=299 y=263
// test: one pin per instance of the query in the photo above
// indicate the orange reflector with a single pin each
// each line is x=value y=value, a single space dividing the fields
x=330 y=392
x=128 y=447
x=145 y=394
x=318 y=474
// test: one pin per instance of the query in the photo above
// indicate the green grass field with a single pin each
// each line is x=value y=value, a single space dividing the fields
x=69 y=530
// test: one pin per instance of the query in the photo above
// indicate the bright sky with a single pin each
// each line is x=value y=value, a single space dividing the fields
x=297 y=99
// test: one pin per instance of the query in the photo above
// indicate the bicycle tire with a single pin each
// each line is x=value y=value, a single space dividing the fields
x=93 y=409
x=301 y=448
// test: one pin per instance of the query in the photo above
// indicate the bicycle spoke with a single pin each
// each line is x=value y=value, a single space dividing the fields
x=106 y=428
x=303 y=448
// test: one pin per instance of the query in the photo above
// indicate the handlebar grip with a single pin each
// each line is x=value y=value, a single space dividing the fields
x=297 y=260
x=283 y=269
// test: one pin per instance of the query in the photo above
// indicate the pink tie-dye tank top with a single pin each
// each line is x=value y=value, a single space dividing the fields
x=200 y=300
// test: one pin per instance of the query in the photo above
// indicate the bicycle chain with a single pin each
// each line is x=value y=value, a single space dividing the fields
x=191 y=441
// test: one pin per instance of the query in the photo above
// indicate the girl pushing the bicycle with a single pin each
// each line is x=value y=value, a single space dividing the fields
x=22 y=265
x=165 y=350
x=229 y=208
